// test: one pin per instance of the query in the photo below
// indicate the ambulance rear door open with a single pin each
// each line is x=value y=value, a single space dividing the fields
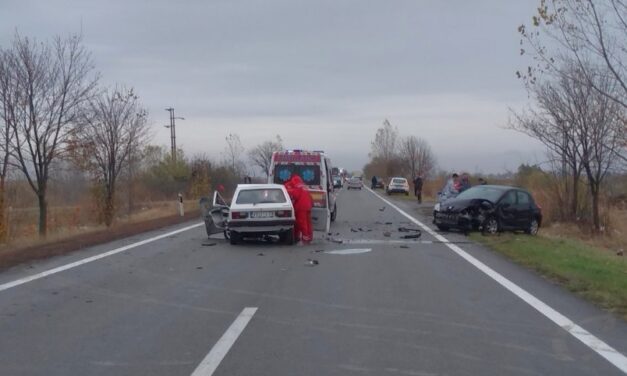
x=309 y=167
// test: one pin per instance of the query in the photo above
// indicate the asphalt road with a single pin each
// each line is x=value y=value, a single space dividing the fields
x=404 y=307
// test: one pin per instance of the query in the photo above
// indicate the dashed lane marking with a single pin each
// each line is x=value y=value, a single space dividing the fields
x=213 y=359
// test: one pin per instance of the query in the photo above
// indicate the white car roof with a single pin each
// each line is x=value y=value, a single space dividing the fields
x=242 y=187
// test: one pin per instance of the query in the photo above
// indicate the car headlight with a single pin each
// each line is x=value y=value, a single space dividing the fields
x=437 y=207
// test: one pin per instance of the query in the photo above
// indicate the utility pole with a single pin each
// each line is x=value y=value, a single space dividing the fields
x=172 y=127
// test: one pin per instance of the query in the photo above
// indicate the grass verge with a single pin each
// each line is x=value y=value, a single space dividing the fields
x=591 y=272
x=10 y=257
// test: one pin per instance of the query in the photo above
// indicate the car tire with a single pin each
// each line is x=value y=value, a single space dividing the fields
x=334 y=213
x=234 y=238
x=533 y=228
x=443 y=227
x=287 y=237
x=491 y=226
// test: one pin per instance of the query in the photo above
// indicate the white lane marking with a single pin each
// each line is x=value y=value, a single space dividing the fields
x=606 y=351
x=213 y=359
x=349 y=251
x=21 y=281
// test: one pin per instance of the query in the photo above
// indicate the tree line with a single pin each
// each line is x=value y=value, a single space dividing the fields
x=394 y=155
x=55 y=115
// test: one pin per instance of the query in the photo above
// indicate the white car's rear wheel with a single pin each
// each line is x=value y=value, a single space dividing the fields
x=234 y=237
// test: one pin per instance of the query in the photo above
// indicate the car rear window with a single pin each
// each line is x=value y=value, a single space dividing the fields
x=309 y=173
x=399 y=181
x=261 y=196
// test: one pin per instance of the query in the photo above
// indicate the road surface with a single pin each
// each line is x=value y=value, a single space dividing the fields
x=179 y=304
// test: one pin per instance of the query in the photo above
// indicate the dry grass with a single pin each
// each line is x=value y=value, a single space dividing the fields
x=613 y=239
x=66 y=222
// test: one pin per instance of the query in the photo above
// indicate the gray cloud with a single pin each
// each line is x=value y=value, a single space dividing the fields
x=323 y=74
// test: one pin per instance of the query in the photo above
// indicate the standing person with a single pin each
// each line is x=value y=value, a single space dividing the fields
x=418 y=188
x=301 y=200
x=464 y=182
x=451 y=188
x=374 y=182
x=482 y=181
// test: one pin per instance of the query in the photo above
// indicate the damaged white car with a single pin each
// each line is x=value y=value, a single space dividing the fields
x=257 y=210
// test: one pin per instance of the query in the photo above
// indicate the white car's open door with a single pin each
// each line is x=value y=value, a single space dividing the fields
x=215 y=213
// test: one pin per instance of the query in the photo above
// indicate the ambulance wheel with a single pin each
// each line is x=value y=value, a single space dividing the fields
x=287 y=237
x=234 y=238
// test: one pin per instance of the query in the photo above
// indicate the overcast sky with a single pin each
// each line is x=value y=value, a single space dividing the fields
x=323 y=74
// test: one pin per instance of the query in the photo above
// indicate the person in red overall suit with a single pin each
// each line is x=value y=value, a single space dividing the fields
x=302 y=202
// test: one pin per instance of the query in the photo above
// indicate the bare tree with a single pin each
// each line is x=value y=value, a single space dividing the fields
x=580 y=125
x=261 y=155
x=590 y=34
x=51 y=82
x=600 y=131
x=6 y=135
x=385 y=142
x=112 y=126
x=234 y=151
x=417 y=156
x=553 y=123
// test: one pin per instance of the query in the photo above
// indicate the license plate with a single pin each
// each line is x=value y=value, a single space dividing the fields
x=262 y=214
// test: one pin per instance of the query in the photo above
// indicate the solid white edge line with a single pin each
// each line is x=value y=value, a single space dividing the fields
x=21 y=281
x=609 y=353
x=213 y=359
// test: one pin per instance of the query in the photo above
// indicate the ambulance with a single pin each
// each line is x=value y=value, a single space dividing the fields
x=315 y=170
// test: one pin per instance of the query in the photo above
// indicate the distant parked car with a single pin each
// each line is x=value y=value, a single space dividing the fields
x=490 y=208
x=337 y=181
x=398 y=185
x=355 y=183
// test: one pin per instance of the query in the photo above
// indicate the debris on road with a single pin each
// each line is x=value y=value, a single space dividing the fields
x=318 y=251
x=353 y=230
x=389 y=223
x=199 y=267
x=260 y=254
x=312 y=262
x=208 y=244
x=387 y=234
x=406 y=229
x=382 y=209
x=404 y=246
x=412 y=236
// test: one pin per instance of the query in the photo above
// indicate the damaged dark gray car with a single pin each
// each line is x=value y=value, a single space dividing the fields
x=489 y=208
